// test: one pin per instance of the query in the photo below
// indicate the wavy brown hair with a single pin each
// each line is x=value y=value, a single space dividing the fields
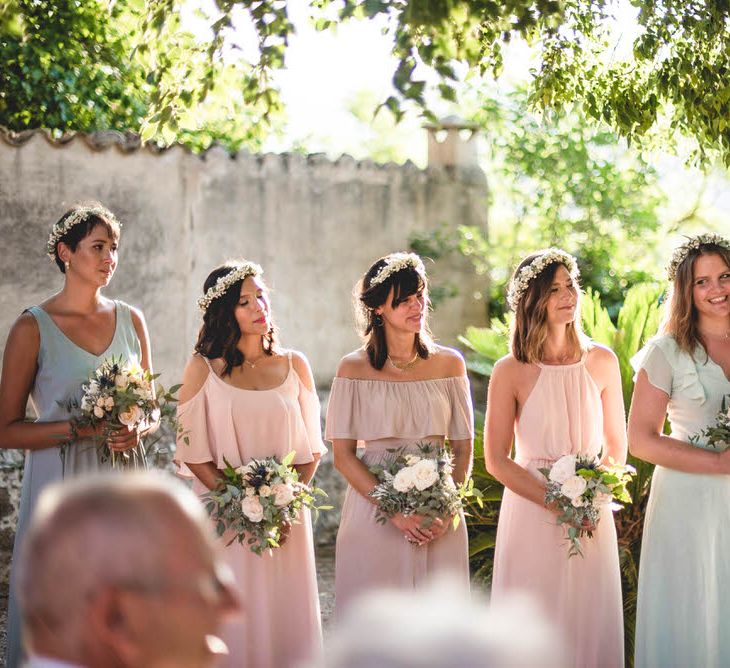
x=406 y=282
x=220 y=333
x=529 y=331
x=680 y=320
x=85 y=228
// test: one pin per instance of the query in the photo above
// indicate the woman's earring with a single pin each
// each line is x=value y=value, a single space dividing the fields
x=67 y=264
x=378 y=320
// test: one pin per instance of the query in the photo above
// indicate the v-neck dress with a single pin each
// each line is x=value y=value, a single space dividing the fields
x=684 y=575
x=280 y=626
x=63 y=367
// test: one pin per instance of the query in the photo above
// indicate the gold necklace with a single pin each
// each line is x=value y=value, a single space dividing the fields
x=404 y=366
x=255 y=362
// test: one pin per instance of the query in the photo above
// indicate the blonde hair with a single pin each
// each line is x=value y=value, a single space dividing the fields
x=529 y=330
x=680 y=319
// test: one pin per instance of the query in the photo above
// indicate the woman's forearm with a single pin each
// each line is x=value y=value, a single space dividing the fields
x=25 y=435
x=208 y=473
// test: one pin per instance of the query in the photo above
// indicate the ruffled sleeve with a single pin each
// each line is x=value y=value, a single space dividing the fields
x=311 y=416
x=669 y=369
x=339 y=421
x=461 y=424
x=193 y=441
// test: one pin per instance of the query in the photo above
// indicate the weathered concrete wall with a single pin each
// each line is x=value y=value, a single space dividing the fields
x=314 y=224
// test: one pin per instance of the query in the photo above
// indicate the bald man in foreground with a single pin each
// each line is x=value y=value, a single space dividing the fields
x=119 y=571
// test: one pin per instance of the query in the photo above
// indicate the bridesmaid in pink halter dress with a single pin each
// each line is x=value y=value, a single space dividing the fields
x=244 y=398
x=556 y=393
x=396 y=391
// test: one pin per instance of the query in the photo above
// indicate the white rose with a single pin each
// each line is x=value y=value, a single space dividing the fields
x=109 y=403
x=412 y=459
x=143 y=393
x=404 y=480
x=425 y=473
x=250 y=491
x=132 y=416
x=563 y=469
x=573 y=487
x=264 y=490
x=283 y=494
x=252 y=508
x=121 y=381
x=577 y=502
x=98 y=411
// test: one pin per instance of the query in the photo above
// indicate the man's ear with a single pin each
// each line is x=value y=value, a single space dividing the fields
x=111 y=628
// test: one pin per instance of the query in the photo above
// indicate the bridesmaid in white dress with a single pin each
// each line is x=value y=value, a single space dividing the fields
x=399 y=389
x=684 y=373
x=244 y=398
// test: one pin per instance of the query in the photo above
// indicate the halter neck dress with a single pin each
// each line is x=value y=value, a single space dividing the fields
x=280 y=626
x=63 y=367
x=581 y=595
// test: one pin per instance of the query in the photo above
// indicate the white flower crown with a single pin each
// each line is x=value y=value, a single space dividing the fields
x=395 y=263
x=693 y=243
x=521 y=281
x=78 y=216
x=239 y=273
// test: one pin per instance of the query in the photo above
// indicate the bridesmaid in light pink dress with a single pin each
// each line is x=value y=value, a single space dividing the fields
x=245 y=398
x=556 y=393
x=398 y=390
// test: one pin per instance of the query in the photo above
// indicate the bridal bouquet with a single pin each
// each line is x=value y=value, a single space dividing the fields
x=259 y=501
x=121 y=394
x=717 y=435
x=410 y=483
x=580 y=486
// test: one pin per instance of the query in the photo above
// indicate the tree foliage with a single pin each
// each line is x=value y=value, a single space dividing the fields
x=677 y=67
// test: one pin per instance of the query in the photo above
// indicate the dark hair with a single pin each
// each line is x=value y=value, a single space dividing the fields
x=680 y=320
x=529 y=330
x=99 y=216
x=405 y=282
x=220 y=333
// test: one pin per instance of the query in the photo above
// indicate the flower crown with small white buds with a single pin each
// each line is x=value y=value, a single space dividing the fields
x=79 y=215
x=693 y=243
x=239 y=273
x=395 y=263
x=521 y=281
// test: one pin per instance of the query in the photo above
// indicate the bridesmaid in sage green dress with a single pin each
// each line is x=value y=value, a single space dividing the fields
x=684 y=576
x=50 y=351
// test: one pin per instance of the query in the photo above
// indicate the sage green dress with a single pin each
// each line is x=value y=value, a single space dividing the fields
x=684 y=576
x=62 y=369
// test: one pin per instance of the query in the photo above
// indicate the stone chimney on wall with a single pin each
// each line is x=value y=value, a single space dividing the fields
x=452 y=142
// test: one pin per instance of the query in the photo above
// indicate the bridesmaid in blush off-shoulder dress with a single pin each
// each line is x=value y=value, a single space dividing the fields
x=555 y=394
x=244 y=398
x=397 y=391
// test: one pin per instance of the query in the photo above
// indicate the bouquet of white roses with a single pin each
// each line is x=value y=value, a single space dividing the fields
x=717 y=435
x=420 y=484
x=259 y=501
x=579 y=486
x=121 y=394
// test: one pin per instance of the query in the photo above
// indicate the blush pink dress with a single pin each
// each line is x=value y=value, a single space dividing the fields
x=280 y=625
x=581 y=595
x=383 y=414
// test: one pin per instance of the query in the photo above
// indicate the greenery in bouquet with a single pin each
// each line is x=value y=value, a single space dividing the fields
x=718 y=434
x=420 y=484
x=121 y=394
x=259 y=501
x=579 y=486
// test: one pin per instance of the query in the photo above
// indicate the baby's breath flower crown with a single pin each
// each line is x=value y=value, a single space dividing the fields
x=395 y=263
x=693 y=243
x=521 y=281
x=79 y=215
x=239 y=273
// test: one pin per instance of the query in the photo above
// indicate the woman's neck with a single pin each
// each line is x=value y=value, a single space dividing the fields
x=557 y=346
x=714 y=328
x=251 y=345
x=79 y=298
x=401 y=345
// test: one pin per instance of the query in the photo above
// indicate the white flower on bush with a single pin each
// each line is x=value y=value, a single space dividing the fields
x=404 y=480
x=563 y=469
x=121 y=380
x=132 y=416
x=412 y=460
x=573 y=487
x=425 y=473
x=578 y=502
x=283 y=494
x=252 y=508
x=264 y=491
